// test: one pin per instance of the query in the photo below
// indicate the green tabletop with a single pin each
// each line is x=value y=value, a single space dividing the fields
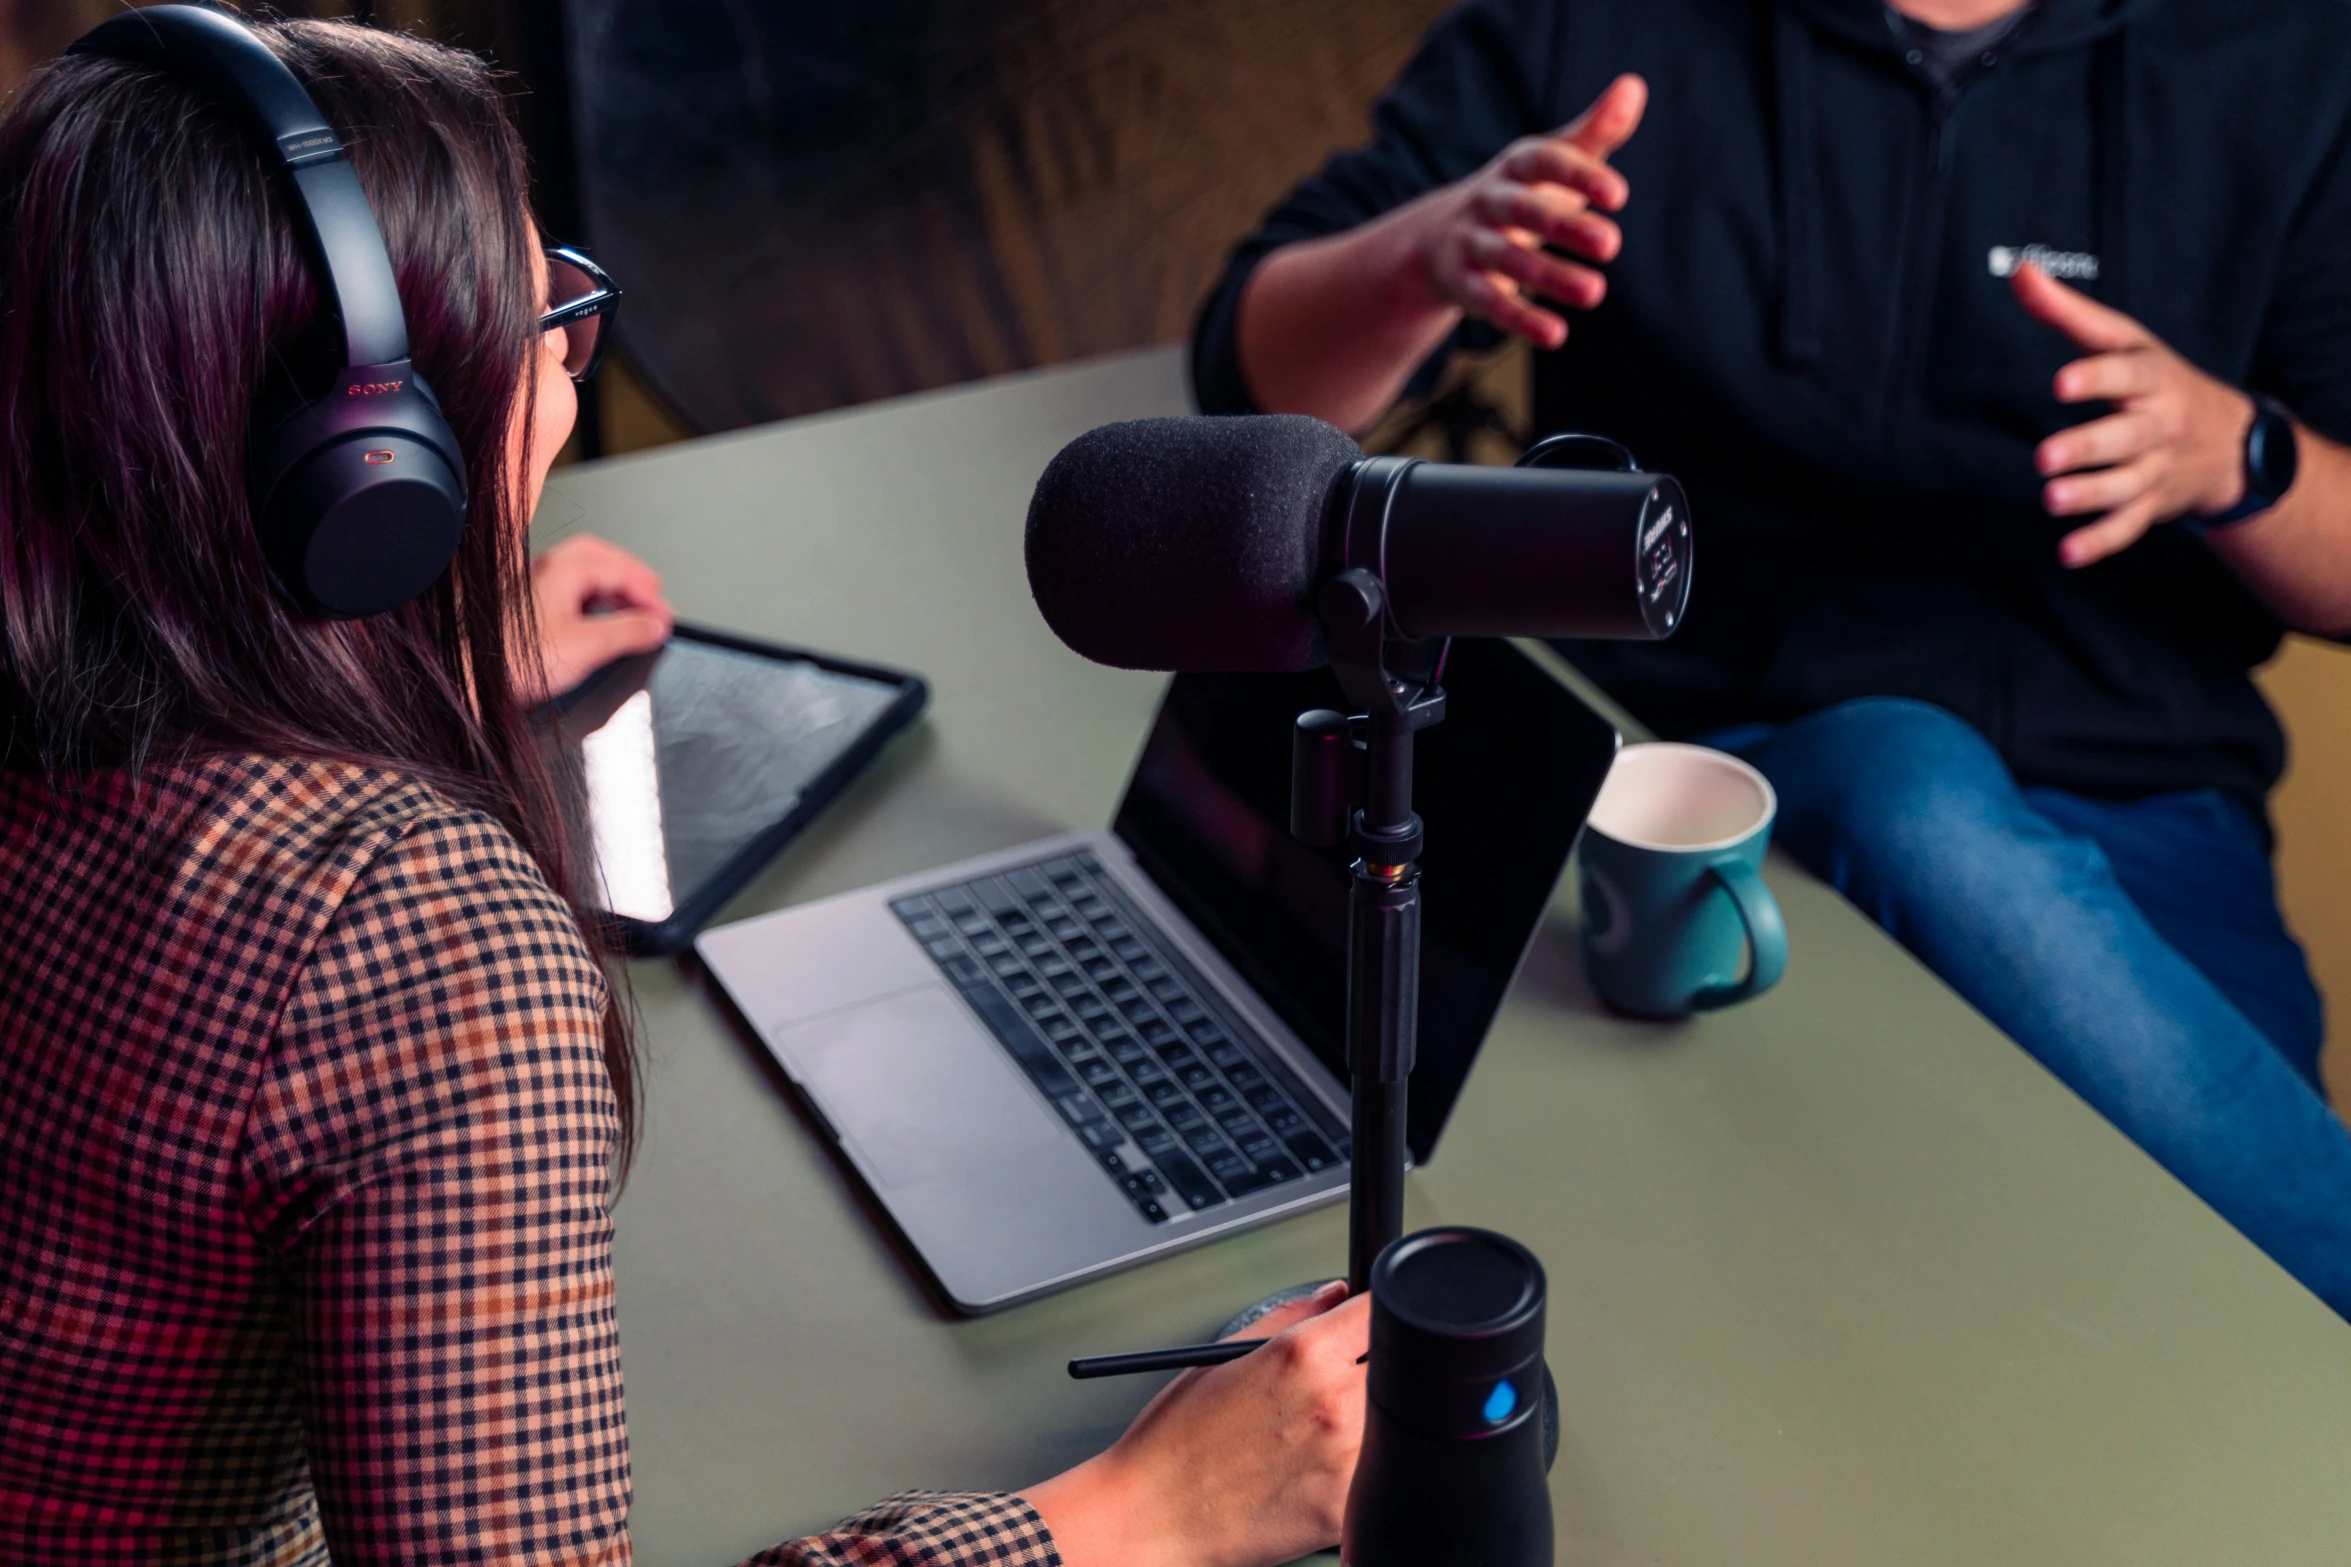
x=1839 y=1276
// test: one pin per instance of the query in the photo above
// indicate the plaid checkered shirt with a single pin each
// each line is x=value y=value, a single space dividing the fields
x=305 y=1143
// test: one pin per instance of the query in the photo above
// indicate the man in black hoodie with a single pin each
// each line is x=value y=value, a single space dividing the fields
x=2005 y=350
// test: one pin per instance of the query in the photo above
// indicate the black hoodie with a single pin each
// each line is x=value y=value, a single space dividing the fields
x=1809 y=324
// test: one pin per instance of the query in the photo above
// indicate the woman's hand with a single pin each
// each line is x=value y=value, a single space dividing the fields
x=596 y=602
x=1240 y=1465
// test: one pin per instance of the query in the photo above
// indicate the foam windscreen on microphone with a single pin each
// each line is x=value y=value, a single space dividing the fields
x=1188 y=544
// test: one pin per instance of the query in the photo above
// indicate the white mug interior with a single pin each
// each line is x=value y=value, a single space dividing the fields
x=1678 y=798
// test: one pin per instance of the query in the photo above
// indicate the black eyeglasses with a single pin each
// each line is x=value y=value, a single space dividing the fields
x=583 y=299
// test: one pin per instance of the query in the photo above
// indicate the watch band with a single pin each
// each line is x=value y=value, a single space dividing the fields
x=2269 y=472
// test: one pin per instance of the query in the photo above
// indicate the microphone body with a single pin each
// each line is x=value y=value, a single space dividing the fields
x=1453 y=1468
x=1199 y=544
x=1528 y=552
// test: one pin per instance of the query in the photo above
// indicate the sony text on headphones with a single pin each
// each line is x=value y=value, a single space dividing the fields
x=359 y=494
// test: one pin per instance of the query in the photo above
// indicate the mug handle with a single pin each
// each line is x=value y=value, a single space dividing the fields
x=1767 y=935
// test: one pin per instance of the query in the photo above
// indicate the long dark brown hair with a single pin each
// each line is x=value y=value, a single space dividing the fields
x=151 y=285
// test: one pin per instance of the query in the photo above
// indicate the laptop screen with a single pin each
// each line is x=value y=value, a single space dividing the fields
x=1503 y=786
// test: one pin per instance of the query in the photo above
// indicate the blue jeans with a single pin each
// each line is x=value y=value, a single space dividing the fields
x=2133 y=947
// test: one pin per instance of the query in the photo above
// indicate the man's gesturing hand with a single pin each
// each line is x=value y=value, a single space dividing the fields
x=1485 y=251
x=2174 y=444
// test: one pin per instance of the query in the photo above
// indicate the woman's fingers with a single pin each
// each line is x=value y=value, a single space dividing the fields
x=1340 y=1329
x=574 y=646
x=593 y=641
x=594 y=602
x=1283 y=1318
x=1246 y=1464
x=593 y=570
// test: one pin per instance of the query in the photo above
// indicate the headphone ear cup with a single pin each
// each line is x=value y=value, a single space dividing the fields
x=365 y=525
x=359 y=497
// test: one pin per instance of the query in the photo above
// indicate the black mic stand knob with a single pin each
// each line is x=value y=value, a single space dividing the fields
x=1326 y=777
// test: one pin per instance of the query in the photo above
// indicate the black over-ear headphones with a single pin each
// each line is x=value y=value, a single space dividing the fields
x=359 y=495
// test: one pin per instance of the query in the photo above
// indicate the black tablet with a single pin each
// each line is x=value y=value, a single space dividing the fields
x=697 y=764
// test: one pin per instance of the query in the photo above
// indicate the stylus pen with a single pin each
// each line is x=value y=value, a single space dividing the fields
x=1179 y=1359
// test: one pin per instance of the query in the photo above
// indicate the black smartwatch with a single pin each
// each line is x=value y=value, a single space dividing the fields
x=2273 y=454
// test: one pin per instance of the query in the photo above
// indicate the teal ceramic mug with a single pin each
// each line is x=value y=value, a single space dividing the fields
x=1676 y=916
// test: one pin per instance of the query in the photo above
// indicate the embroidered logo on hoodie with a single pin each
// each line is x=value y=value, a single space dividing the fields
x=2066 y=265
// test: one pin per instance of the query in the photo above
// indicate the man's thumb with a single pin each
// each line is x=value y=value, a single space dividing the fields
x=1613 y=117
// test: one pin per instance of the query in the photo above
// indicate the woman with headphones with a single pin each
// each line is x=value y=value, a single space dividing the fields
x=313 y=1094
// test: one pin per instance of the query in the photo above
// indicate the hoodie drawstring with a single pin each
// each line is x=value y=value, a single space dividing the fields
x=1797 y=119
x=2111 y=85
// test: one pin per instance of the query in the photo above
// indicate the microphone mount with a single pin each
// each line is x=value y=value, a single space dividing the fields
x=1351 y=782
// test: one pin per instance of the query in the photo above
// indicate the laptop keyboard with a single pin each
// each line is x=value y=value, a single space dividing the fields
x=1121 y=1034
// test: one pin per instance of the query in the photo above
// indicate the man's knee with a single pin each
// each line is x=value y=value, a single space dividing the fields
x=1882 y=774
x=1891 y=800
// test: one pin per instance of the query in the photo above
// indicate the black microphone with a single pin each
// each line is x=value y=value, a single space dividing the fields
x=1455 y=1445
x=1199 y=544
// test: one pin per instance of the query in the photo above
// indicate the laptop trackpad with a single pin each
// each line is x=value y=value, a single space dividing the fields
x=916 y=1089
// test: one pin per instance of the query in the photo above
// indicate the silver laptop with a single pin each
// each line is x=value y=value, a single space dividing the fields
x=1069 y=1057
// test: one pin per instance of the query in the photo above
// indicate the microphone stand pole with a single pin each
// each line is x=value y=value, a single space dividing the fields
x=1328 y=780
x=1383 y=993
x=1383 y=913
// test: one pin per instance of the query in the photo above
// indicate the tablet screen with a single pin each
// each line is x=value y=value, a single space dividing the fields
x=689 y=754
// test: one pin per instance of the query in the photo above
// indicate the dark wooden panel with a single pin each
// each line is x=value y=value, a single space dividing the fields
x=816 y=204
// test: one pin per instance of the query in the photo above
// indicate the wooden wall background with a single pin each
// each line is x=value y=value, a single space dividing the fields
x=821 y=204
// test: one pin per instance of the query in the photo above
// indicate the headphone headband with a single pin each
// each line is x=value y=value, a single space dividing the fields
x=226 y=58
x=358 y=490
